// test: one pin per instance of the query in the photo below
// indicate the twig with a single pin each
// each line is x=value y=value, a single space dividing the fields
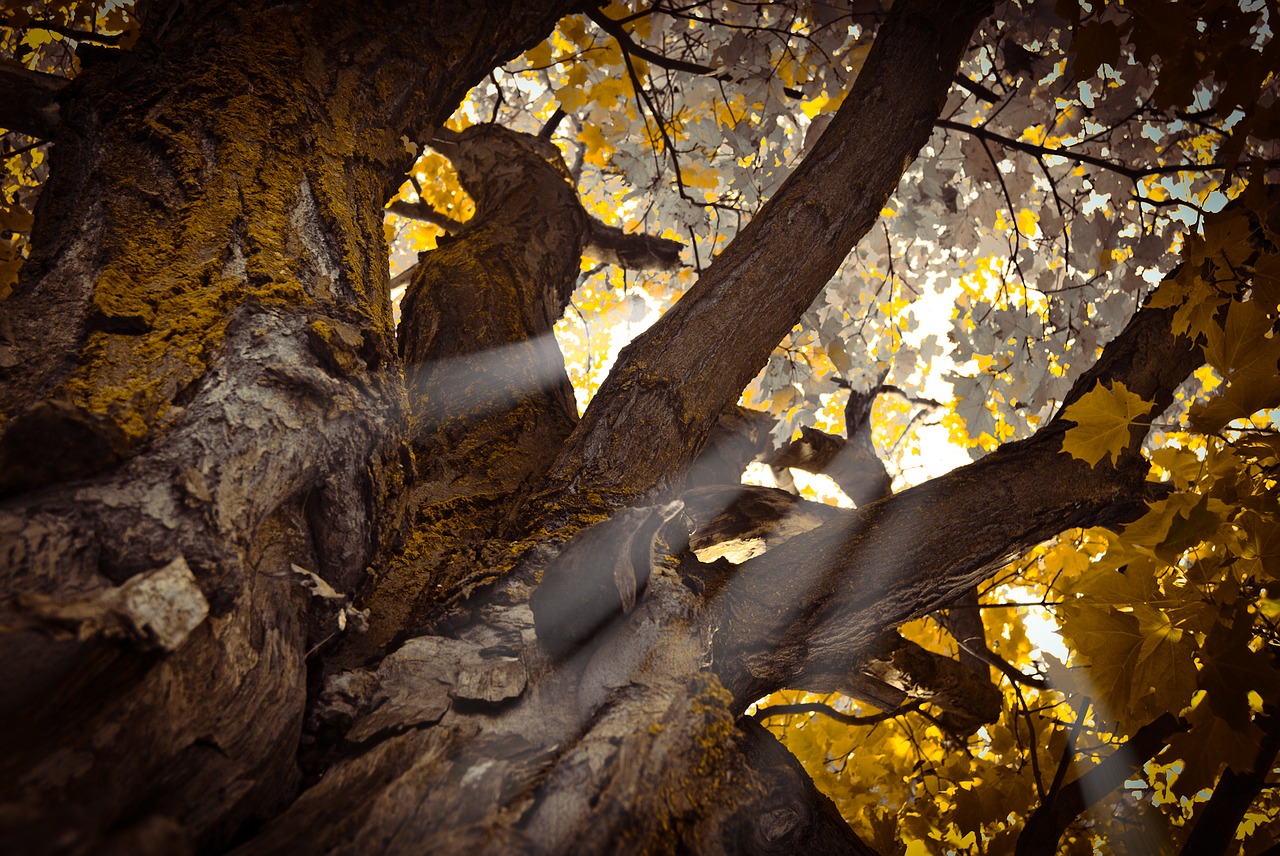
x=829 y=711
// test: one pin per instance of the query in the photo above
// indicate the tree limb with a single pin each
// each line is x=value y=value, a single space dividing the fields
x=1050 y=820
x=30 y=104
x=112 y=39
x=426 y=213
x=965 y=626
x=672 y=384
x=611 y=245
x=831 y=713
x=1236 y=790
x=800 y=613
x=607 y=243
x=1132 y=173
x=802 y=819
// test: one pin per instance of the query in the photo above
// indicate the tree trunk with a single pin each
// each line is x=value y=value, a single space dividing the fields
x=207 y=392
x=227 y=443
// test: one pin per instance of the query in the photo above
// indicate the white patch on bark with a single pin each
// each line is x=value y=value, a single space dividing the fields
x=155 y=610
x=310 y=229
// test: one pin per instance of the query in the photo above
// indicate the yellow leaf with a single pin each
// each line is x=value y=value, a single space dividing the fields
x=597 y=147
x=609 y=92
x=1242 y=347
x=571 y=98
x=814 y=107
x=699 y=175
x=1102 y=418
x=1027 y=220
x=539 y=56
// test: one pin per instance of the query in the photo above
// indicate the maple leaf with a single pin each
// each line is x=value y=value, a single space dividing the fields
x=1103 y=417
x=1111 y=643
x=1240 y=349
x=1242 y=353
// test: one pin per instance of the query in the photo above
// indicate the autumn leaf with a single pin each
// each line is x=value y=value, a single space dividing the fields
x=1176 y=524
x=1242 y=349
x=1103 y=417
x=1244 y=353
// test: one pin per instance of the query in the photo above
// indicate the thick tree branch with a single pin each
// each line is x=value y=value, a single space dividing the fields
x=613 y=246
x=799 y=614
x=670 y=387
x=29 y=100
x=607 y=243
x=1050 y=820
x=1236 y=790
x=426 y=213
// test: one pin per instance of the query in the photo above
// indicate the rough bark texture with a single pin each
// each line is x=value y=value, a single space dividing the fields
x=805 y=611
x=220 y=442
x=671 y=385
x=207 y=373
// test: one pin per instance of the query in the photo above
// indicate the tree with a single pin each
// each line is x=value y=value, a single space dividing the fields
x=287 y=571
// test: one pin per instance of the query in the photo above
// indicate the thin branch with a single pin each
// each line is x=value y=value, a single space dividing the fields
x=111 y=39
x=976 y=89
x=553 y=122
x=1133 y=173
x=830 y=712
x=22 y=150
x=631 y=48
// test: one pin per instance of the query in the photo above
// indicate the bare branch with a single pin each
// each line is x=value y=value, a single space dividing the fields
x=631 y=47
x=831 y=713
x=112 y=39
x=1133 y=173
x=976 y=89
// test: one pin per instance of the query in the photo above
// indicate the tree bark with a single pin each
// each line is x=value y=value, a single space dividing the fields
x=667 y=392
x=207 y=392
x=228 y=435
